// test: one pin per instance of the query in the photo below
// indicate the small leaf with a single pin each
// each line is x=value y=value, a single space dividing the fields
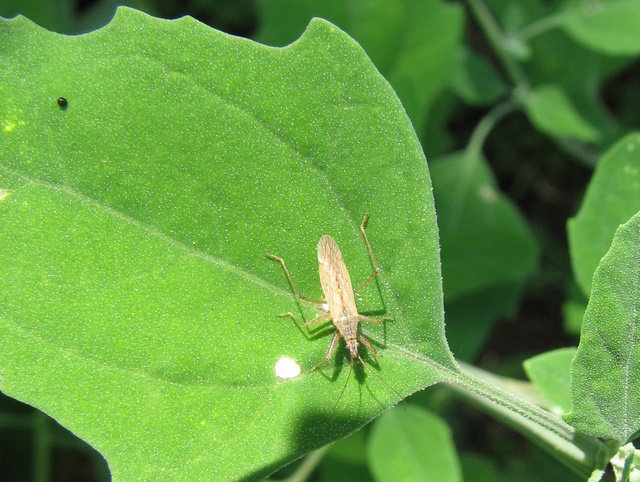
x=609 y=26
x=612 y=197
x=412 y=445
x=605 y=373
x=551 y=111
x=475 y=80
x=551 y=373
x=573 y=309
x=623 y=463
x=485 y=240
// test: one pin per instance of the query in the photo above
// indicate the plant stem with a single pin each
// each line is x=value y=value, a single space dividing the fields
x=521 y=86
x=308 y=464
x=486 y=125
x=578 y=451
x=496 y=38
x=541 y=26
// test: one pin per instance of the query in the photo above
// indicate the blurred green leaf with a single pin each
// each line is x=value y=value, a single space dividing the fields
x=573 y=313
x=550 y=372
x=57 y=16
x=612 y=197
x=609 y=26
x=412 y=445
x=551 y=111
x=573 y=310
x=582 y=75
x=475 y=80
x=471 y=318
x=139 y=309
x=411 y=42
x=605 y=373
x=346 y=457
x=485 y=241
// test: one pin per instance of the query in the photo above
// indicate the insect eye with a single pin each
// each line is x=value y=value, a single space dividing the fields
x=62 y=102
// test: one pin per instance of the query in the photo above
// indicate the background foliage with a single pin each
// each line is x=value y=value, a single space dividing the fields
x=515 y=103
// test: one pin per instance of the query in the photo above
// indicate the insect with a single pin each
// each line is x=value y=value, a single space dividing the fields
x=339 y=302
x=62 y=102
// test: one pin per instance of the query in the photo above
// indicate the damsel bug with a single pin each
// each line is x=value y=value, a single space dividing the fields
x=339 y=302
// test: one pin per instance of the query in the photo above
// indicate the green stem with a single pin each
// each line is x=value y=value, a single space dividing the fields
x=497 y=39
x=486 y=125
x=42 y=447
x=541 y=26
x=308 y=465
x=578 y=451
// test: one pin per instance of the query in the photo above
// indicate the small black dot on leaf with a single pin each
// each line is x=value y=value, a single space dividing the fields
x=62 y=102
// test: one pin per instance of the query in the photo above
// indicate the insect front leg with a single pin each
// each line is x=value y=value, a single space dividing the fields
x=332 y=347
x=362 y=339
x=376 y=270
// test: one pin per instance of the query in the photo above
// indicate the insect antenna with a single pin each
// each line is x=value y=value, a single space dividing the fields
x=364 y=366
x=386 y=384
x=333 y=412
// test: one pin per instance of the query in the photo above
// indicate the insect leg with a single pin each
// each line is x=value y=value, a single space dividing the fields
x=286 y=271
x=315 y=321
x=362 y=339
x=333 y=412
x=373 y=260
x=332 y=347
x=377 y=321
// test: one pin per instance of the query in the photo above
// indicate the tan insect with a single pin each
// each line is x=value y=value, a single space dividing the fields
x=339 y=302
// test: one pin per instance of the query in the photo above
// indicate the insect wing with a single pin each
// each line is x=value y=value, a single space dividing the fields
x=335 y=280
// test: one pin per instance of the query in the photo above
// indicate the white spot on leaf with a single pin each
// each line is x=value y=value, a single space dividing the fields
x=287 y=368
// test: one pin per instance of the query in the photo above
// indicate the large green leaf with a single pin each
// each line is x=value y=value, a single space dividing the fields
x=413 y=43
x=612 y=198
x=605 y=373
x=138 y=307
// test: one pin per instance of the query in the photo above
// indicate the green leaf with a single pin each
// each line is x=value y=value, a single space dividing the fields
x=56 y=16
x=573 y=312
x=138 y=307
x=412 y=445
x=477 y=313
x=485 y=240
x=346 y=457
x=612 y=197
x=411 y=42
x=551 y=111
x=475 y=80
x=609 y=26
x=550 y=372
x=605 y=373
